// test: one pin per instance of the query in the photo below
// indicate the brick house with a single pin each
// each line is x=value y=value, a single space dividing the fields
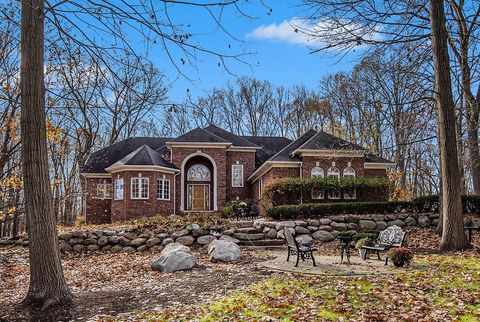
x=203 y=169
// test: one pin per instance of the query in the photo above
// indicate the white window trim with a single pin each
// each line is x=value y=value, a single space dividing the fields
x=260 y=188
x=243 y=179
x=116 y=188
x=163 y=180
x=105 y=191
x=140 y=179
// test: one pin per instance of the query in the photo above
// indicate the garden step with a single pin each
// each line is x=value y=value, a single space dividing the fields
x=249 y=230
x=263 y=242
x=242 y=223
x=242 y=236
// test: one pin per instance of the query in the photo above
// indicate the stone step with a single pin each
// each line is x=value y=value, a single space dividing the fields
x=242 y=223
x=249 y=230
x=242 y=236
x=263 y=242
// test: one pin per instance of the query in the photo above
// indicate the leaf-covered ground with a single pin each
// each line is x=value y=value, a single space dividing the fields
x=122 y=287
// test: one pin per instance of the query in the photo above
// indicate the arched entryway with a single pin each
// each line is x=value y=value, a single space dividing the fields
x=198 y=183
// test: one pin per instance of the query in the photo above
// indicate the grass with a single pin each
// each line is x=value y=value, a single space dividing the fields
x=448 y=291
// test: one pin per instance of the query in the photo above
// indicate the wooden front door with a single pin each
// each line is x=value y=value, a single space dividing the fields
x=198 y=197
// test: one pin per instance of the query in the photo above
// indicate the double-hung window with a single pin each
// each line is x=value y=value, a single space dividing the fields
x=163 y=189
x=317 y=172
x=119 y=189
x=139 y=188
x=237 y=175
x=104 y=191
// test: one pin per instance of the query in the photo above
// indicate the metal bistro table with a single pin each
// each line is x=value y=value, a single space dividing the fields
x=345 y=246
x=469 y=228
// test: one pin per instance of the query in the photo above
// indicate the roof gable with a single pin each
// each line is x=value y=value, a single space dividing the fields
x=325 y=141
x=144 y=155
x=286 y=153
x=198 y=135
x=230 y=137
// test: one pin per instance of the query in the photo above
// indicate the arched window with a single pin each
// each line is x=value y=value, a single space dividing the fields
x=333 y=173
x=317 y=172
x=349 y=172
x=198 y=172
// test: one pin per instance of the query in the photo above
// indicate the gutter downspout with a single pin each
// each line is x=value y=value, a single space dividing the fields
x=175 y=193
x=301 y=176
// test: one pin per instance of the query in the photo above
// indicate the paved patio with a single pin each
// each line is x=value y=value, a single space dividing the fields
x=330 y=266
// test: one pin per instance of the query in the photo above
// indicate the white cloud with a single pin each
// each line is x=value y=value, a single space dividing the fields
x=299 y=31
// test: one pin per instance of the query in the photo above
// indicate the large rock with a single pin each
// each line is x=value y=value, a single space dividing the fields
x=324 y=236
x=102 y=241
x=272 y=233
x=304 y=239
x=325 y=228
x=192 y=227
x=153 y=241
x=325 y=221
x=338 y=218
x=424 y=221
x=180 y=233
x=410 y=221
x=65 y=236
x=114 y=240
x=75 y=241
x=93 y=247
x=301 y=223
x=378 y=217
x=352 y=226
x=124 y=241
x=313 y=222
x=186 y=240
x=204 y=240
x=174 y=261
x=367 y=225
x=381 y=225
x=200 y=232
x=147 y=233
x=338 y=226
x=167 y=241
x=300 y=230
x=131 y=235
x=128 y=249
x=222 y=250
x=271 y=224
x=259 y=223
x=396 y=222
x=312 y=228
x=116 y=249
x=90 y=241
x=282 y=224
x=78 y=248
x=175 y=247
x=64 y=247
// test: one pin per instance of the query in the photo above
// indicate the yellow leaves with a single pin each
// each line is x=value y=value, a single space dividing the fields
x=58 y=181
x=54 y=133
x=11 y=182
x=12 y=127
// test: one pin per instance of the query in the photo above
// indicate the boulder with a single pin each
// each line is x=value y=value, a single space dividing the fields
x=174 y=261
x=204 y=240
x=338 y=226
x=152 y=242
x=102 y=241
x=200 y=232
x=78 y=248
x=124 y=241
x=131 y=235
x=192 y=227
x=282 y=224
x=229 y=238
x=271 y=224
x=377 y=217
x=396 y=222
x=90 y=241
x=381 y=225
x=114 y=240
x=175 y=247
x=228 y=232
x=301 y=223
x=180 y=233
x=186 y=240
x=325 y=221
x=162 y=236
x=128 y=249
x=304 y=239
x=156 y=248
x=424 y=221
x=98 y=233
x=259 y=223
x=116 y=249
x=312 y=228
x=280 y=234
x=390 y=217
x=325 y=228
x=137 y=242
x=93 y=247
x=313 y=222
x=92 y=236
x=367 y=225
x=222 y=250
x=300 y=230
x=410 y=221
x=109 y=232
x=106 y=248
x=64 y=247
x=75 y=241
x=147 y=233
x=272 y=233
x=167 y=241
x=352 y=226
x=79 y=234
x=266 y=229
x=65 y=236
x=324 y=236
x=142 y=248
x=338 y=218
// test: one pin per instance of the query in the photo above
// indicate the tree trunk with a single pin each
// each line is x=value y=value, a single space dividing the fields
x=453 y=235
x=47 y=283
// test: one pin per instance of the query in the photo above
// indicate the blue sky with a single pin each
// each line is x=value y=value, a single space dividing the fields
x=280 y=55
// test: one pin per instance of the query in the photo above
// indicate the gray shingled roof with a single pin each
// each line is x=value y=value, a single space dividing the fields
x=286 y=153
x=325 y=141
x=101 y=159
x=376 y=159
x=230 y=137
x=270 y=146
x=144 y=155
x=199 y=135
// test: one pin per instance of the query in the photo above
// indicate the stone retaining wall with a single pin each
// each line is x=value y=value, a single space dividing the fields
x=261 y=232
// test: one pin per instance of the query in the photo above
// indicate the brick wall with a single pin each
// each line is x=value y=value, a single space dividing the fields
x=247 y=159
x=129 y=208
x=377 y=173
x=326 y=163
x=97 y=210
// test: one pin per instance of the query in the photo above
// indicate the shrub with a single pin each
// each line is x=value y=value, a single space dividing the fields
x=400 y=256
x=364 y=242
x=233 y=206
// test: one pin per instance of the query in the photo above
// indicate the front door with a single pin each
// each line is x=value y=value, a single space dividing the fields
x=198 y=195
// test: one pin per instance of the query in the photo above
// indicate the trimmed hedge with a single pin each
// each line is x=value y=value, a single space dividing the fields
x=471 y=204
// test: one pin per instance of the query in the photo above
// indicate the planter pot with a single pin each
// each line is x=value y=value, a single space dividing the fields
x=361 y=253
